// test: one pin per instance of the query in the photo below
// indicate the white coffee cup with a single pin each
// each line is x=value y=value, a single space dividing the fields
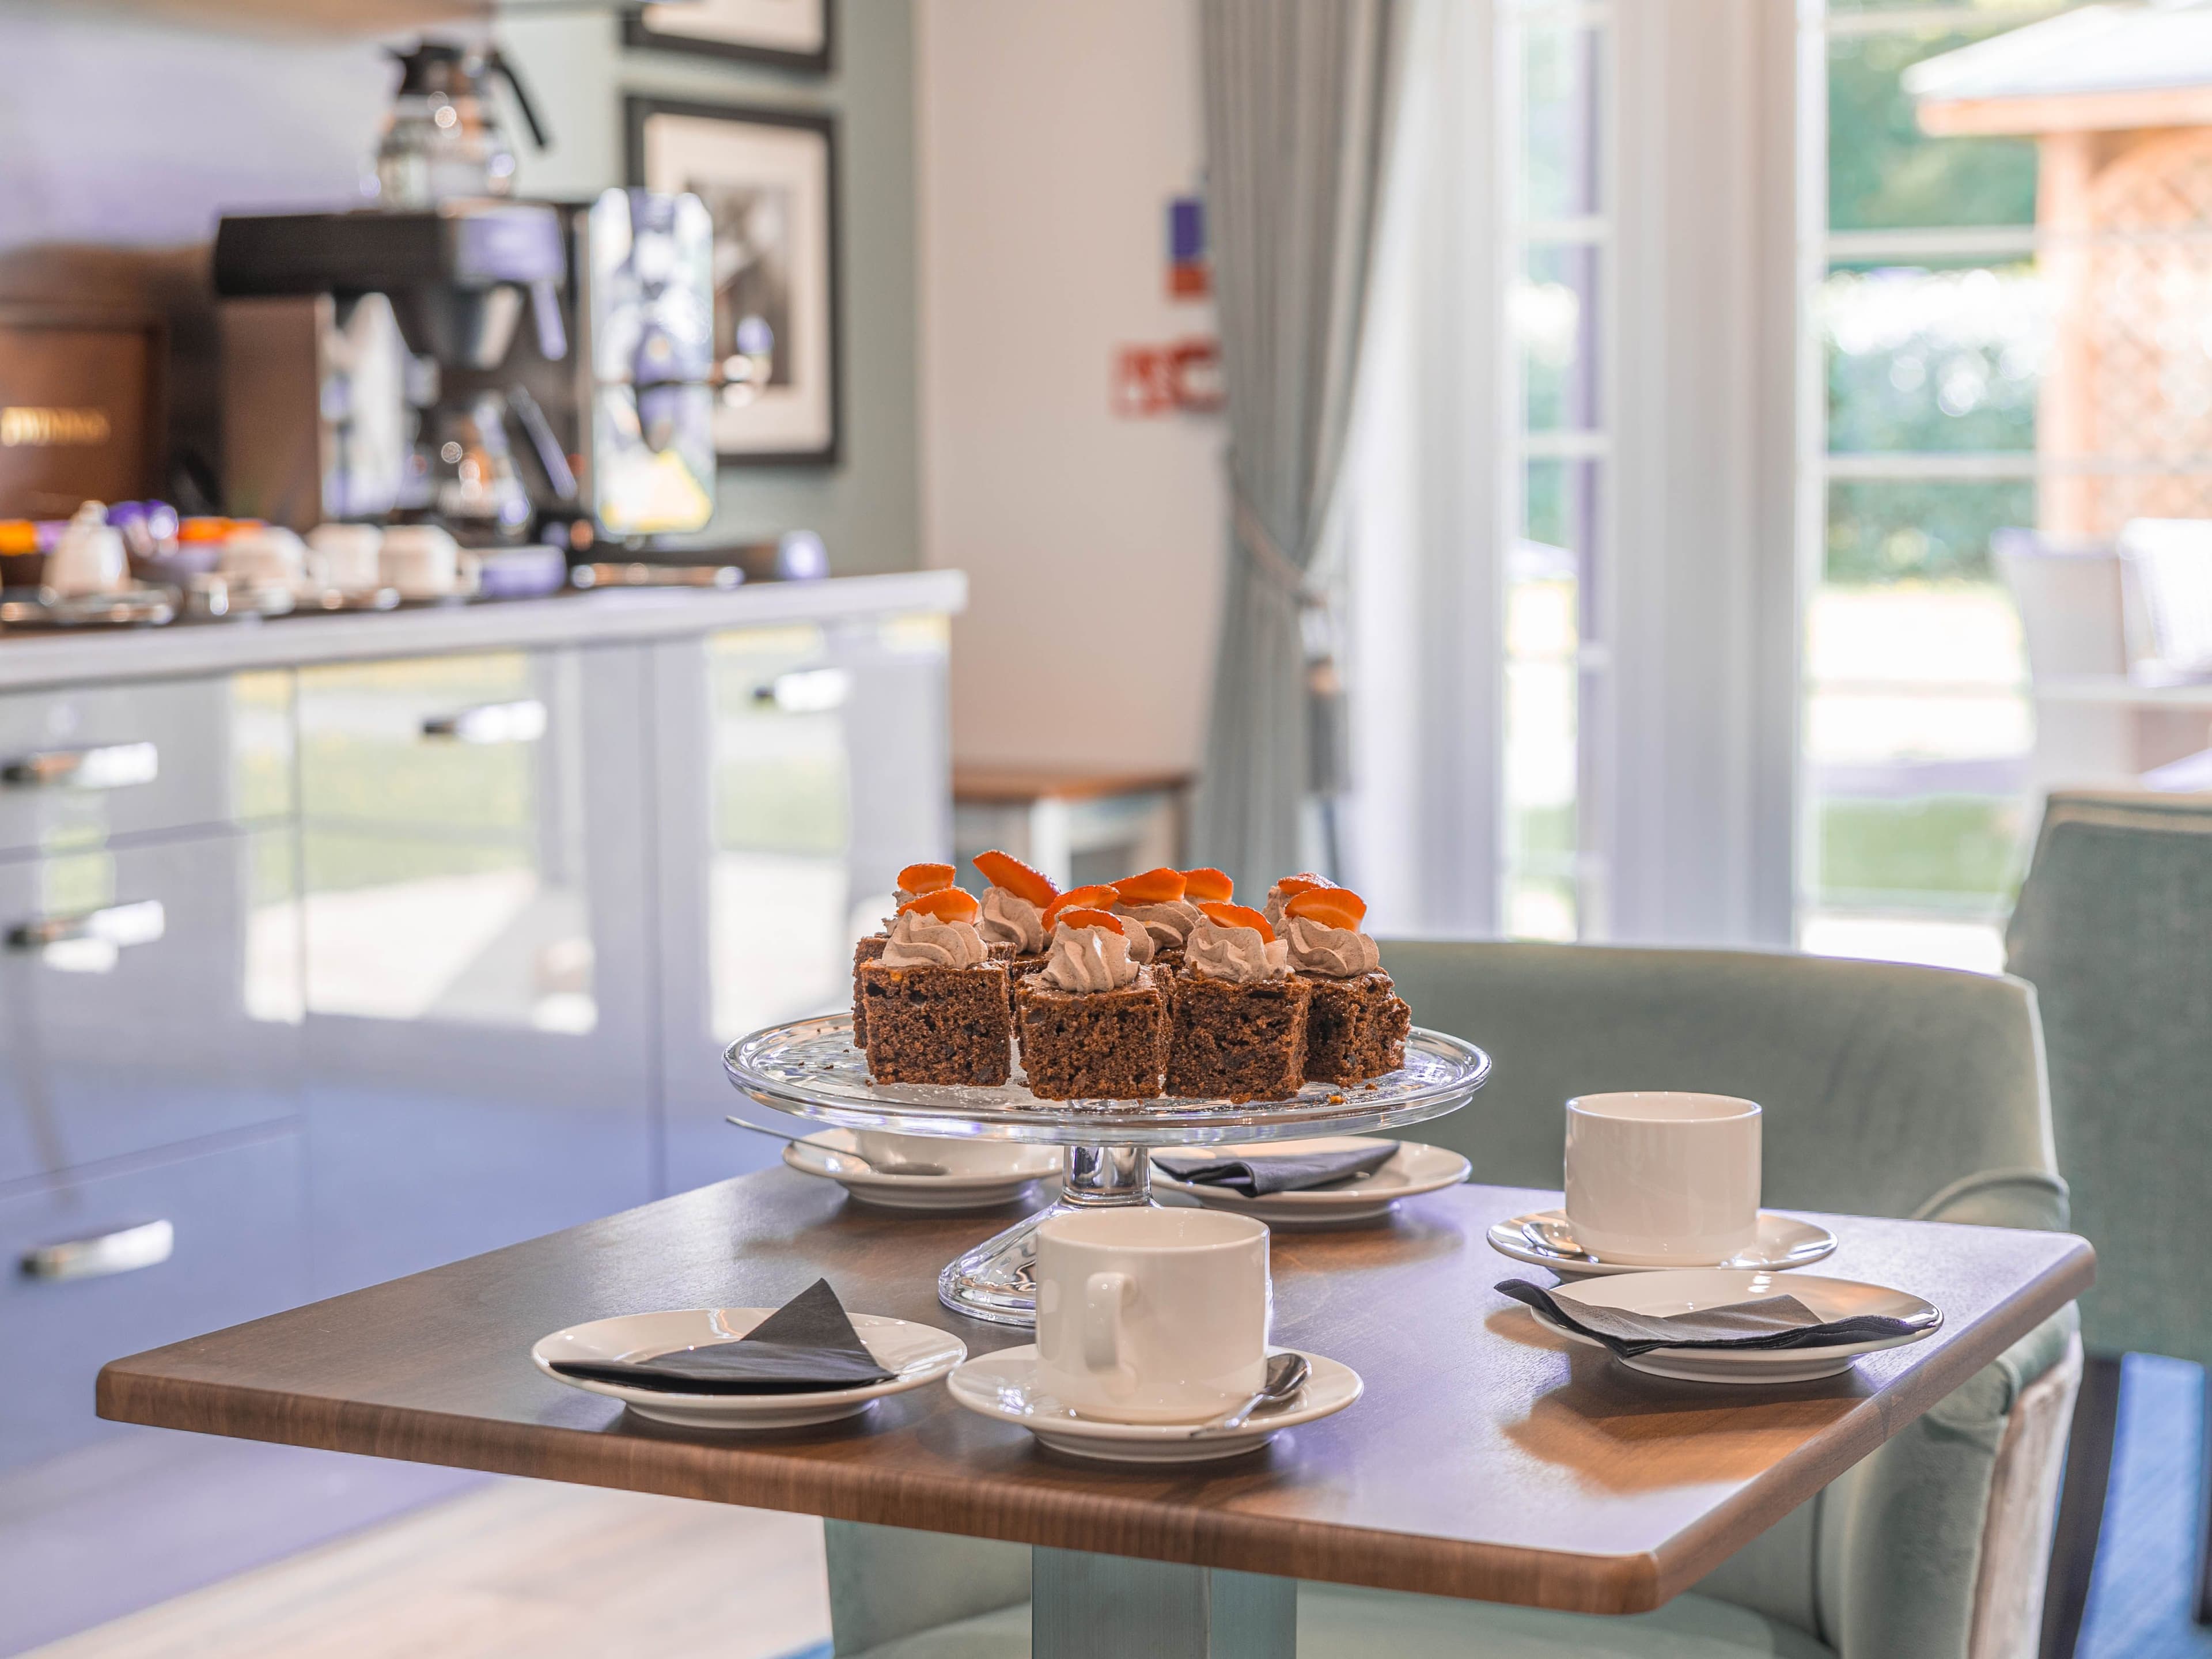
x=266 y=555
x=89 y=557
x=346 y=556
x=1148 y=1316
x=1662 y=1179
x=423 y=561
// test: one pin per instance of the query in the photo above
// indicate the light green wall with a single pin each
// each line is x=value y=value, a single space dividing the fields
x=867 y=507
x=121 y=132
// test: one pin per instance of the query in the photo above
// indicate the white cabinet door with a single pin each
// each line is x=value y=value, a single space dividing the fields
x=473 y=831
x=800 y=768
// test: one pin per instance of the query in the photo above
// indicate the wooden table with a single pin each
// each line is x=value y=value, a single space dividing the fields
x=1487 y=1459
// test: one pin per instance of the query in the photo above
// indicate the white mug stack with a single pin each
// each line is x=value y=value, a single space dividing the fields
x=1662 y=1179
x=1152 y=1315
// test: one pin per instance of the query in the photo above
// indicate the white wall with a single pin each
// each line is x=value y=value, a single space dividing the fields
x=1050 y=140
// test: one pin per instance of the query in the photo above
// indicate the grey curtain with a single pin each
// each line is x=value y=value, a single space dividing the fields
x=1297 y=97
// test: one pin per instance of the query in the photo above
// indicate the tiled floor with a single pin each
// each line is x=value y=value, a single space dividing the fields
x=2139 y=1599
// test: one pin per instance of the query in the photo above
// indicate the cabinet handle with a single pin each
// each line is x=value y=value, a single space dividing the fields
x=138 y=923
x=490 y=722
x=148 y=1244
x=111 y=766
x=807 y=690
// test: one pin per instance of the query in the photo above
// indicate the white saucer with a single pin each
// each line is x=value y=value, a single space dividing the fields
x=1682 y=1290
x=1004 y=1385
x=1023 y=1166
x=1412 y=1169
x=1783 y=1241
x=916 y=1355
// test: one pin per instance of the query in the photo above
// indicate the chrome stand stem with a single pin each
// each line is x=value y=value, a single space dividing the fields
x=995 y=1281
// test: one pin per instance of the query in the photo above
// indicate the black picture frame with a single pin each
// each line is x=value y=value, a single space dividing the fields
x=636 y=33
x=638 y=110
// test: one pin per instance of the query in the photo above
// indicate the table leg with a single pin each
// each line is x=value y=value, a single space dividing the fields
x=1110 y=1607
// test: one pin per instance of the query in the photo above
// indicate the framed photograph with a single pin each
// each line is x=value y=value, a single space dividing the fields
x=789 y=33
x=769 y=180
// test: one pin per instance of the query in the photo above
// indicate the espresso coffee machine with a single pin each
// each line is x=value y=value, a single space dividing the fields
x=511 y=370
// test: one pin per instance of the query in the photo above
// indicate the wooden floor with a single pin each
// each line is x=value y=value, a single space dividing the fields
x=2139 y=1599
x=523 y=1568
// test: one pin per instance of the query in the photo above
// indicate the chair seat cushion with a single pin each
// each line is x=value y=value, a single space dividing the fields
x=1335 y=1622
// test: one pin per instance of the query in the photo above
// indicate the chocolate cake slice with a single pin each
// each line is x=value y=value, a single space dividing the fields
x=1231 y=1041
x=1092 y=1045
x=864 y=952
x=1355 y=1027
x=933 y=1024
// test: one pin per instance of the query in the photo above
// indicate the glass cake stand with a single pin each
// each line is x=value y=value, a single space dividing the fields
x=810 y=1069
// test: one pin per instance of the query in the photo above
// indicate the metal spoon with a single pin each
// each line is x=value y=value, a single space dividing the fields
x=1553 y=1238
x=880 y=1166
x=1286 y=1375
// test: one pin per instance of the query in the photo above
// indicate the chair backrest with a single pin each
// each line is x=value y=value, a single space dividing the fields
x=2114 y=928
x=2071 y=603
x=1887 y=1089
x=2170 y=561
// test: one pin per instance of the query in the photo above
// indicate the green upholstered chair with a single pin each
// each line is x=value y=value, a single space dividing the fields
x=2114 y=928
x=1889 y=1091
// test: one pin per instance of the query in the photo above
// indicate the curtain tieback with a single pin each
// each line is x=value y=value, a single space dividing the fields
x=1266 y=555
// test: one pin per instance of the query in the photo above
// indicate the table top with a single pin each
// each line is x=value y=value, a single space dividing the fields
x=1488 y=1459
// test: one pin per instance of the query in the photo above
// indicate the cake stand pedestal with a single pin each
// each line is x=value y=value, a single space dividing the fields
x=810 y=1068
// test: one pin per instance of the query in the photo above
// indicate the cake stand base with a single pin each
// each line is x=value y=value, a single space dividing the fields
x=997 y=1279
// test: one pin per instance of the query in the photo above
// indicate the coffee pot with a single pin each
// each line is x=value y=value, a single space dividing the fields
x=443 y=139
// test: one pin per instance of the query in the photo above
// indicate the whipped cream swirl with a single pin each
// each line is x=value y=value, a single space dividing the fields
x=1139 y=938
x=1169 y=923
x=919 y=939
x=1237 y=954
x=1333 y=953
x=1272 y=909
x=1089 y=959
x=1009 y=919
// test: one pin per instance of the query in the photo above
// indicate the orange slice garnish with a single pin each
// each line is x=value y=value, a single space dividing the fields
x=1304 y=882
x=1004 y=870
x=1082 y=915
x=1207 y=883
x=1096 y=897
x=1238 y=916
x=926 y=878
x=946 y=904
x=1160 y=886
x=1339 y=907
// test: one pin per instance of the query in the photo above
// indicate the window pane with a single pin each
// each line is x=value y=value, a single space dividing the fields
x=1560 y=100
x=1917 y=723
x=1890 y=530
x=1544 y=630
x=1555 y=311
x=1883 y=172
x=1933 y=361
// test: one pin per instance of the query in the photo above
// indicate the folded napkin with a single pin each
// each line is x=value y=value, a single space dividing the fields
x=1771 y=1321
x=806 y=1346
x=1256 y=1178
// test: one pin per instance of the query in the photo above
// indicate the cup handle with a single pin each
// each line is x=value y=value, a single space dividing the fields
x=1104 y=1295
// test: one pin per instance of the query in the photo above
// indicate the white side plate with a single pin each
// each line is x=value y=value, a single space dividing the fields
x=914 y=1354
x=1684 y=1290
x=818 y=1154
x=1413 y=1170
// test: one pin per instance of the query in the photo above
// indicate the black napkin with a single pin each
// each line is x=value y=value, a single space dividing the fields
x=1772 y=1322
x=805 y=1345
x=1256 y=1178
